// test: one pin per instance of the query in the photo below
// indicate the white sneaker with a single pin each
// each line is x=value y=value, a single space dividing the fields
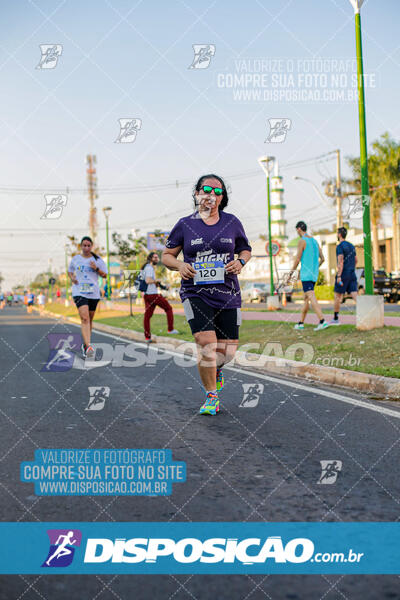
x=320 y=326
x=334 y=322
x=299 y=326
x=173 y=331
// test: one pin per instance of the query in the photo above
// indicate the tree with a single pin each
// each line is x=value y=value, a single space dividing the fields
x=375 y=205
x=42 y=280
x=129 y=249
x=387 y=155
x=383 y=171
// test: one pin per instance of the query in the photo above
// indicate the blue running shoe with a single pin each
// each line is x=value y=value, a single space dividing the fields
x=211 y=405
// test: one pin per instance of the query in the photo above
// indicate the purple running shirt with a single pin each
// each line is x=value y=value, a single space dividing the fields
x=208 y=243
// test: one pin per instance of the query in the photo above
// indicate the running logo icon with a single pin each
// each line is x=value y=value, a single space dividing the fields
x=50 y=55
x=203 y=54
x=128 y=130
x=330 y=470
x=61 y=355
x=130 y=278
x=251 y=394
x=356 y=206
x=278 y=130
x=62 y=547
x=98 y=397
x=54 y=206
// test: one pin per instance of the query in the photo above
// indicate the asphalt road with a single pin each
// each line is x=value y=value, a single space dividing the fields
x=259 y=463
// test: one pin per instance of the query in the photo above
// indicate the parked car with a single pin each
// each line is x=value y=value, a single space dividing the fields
x=254 y=292
x=387 y=285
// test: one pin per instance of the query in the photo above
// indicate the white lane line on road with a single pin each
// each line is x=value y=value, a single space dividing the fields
x=299 y=386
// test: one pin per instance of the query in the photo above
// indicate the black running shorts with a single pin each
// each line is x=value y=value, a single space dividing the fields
x=203 y=317
x=81 y=301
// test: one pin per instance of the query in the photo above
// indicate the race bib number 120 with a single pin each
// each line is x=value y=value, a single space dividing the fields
x=209 y=272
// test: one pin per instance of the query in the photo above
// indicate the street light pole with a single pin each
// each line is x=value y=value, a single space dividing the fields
x=266 y=163
x=106 y=211
x=339 y=220
x=324 y=200
x=369 y=288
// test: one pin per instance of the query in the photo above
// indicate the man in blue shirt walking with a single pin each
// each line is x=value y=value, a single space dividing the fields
x=346 y=278
x=310 y=255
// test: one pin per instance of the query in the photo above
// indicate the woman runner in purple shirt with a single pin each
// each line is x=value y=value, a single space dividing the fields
x=209 y=239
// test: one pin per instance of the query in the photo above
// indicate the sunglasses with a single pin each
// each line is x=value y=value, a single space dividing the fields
x=207 y=189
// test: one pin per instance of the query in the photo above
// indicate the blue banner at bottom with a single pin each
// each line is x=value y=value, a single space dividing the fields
x=209 y=548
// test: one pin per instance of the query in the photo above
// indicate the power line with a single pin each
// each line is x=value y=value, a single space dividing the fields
x=161 y=186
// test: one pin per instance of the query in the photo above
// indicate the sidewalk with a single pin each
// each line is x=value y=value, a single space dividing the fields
x=311 y=318
x=288 y=317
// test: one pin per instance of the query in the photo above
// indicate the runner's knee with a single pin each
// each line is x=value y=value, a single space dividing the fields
x=207 y=344
x=230 y=351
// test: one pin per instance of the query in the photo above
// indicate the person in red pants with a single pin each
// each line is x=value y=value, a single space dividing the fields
x=152 y=298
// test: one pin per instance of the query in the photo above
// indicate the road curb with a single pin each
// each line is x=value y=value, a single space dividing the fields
x=385 y=387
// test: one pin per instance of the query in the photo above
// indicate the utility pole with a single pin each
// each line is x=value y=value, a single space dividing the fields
x=339 y=221
x=66 y=248
x=266 y=163
x=92 y=191
x=106 y=211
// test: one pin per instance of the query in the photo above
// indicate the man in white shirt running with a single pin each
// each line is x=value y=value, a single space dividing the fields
x=152 y=298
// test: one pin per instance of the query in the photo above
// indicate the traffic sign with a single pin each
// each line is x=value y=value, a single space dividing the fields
x=275 y=247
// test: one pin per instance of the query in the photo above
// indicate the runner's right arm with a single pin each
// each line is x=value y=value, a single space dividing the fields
x=72 y=277
x=71 y=272
x=300 y=248
x=339 y=265
x=169 y=259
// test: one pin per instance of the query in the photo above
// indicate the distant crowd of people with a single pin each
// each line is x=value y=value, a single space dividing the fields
x=28 y=298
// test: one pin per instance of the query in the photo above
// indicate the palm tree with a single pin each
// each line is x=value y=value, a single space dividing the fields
x=387 y=153
x=376 y=200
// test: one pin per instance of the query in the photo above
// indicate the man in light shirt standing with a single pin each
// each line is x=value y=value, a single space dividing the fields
x=152 y=298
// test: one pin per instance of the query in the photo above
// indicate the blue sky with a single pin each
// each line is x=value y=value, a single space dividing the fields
x=130 y=59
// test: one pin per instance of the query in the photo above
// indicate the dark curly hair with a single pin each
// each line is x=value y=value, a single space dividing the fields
x=197 y=187
x=148 y=259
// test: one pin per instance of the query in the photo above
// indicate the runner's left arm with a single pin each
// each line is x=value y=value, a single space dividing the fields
x=242 y=249
x=99 y=266
x=235 y=266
